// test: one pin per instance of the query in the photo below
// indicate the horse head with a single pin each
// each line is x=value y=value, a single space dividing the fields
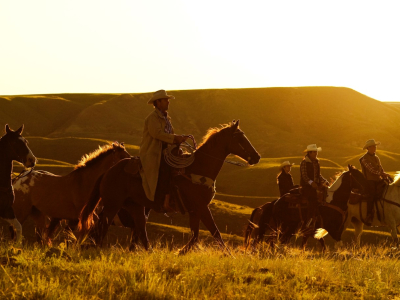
x=241 y=146
x=334 y=213
x=120 y=151
x=17 y=147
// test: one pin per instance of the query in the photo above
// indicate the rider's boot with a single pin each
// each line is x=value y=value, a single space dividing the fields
x=310 y=215
x=166 y=205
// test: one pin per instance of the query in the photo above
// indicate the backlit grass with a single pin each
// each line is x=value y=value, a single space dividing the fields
x=371 y=272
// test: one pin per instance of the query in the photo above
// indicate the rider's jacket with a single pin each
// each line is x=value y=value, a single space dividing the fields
x=371 y=167
x=156 y=132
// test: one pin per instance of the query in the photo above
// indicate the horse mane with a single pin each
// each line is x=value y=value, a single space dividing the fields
x=396 y=179
x=336 y=178
x=96 y=155
x=212 y=132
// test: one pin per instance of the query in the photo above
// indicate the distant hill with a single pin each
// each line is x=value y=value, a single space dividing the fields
x=278 y=121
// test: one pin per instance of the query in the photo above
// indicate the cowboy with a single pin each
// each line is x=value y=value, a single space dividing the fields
x=375 y=175
x=158 y=134
x=284 y=178
x=311 y=179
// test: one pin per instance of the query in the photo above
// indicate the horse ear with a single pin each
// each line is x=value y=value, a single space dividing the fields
x=122 y=144
x=7 y=128
x=349 y=166
x=233 y=122
x=19 y=131
x=237 y=123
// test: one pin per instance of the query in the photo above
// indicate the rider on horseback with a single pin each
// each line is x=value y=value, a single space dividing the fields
x=158 y=134
x=311 y=179
x=375 y=175
x=285 y=179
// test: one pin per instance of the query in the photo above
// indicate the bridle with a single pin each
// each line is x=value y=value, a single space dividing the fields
x=219 y=159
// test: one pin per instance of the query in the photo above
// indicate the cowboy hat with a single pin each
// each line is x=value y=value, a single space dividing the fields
x=370 y=143
x=285 y=163
x=312 y=147
x=161 y=94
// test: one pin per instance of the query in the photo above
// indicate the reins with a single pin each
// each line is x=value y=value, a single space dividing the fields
x=217 y=158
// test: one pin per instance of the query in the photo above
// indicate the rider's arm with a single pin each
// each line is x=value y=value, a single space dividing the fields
x=322 y=179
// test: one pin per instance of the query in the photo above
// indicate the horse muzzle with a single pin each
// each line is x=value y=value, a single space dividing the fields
x=29 y=161
x=252 y=160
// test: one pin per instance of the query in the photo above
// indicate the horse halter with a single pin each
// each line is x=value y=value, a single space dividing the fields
x=217 y=158
x=248 y=158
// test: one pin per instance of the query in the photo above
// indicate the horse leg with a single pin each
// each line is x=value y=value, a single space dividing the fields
x=18 y=228
x=54 y=224
x=358 y=229
x=134 y=239
x=106 y=218
x=194 y=220
x=208 y=221
x=304 y=242
x=393 y=231
x=40 y=226
x=322 y=242
x=138 y=214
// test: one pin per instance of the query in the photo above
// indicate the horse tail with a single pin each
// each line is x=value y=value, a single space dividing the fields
x=320 y=233
x=86 y=215
x=250 y=227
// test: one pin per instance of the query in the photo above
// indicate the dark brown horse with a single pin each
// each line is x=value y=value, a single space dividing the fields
x=196 y=187
x=12 y=147
x=43 y=195
x=277 y=216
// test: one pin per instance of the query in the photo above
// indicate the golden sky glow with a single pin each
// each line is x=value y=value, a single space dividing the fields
x=142 y=46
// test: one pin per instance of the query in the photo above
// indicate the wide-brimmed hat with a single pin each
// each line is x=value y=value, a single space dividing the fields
x=312 y=147
x=285 y=163
x=370 y=143
x=161 y=94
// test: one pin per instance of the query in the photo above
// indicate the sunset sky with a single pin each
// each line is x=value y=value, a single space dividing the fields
x=142 y=46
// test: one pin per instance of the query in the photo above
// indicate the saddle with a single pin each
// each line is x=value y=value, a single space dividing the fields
x=296 y=198
x=356 y=198
x=133 y=166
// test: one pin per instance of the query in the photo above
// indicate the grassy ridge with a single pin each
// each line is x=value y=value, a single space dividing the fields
x=280 y=273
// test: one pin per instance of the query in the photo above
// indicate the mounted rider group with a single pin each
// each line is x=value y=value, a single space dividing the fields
x=156 y=173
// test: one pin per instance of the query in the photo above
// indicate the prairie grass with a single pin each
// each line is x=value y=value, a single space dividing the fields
x=370 y=272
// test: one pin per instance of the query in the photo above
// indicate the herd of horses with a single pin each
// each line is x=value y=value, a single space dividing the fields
x=100 y=188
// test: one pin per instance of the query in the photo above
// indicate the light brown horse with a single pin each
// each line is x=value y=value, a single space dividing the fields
x=43 y=195
x=196 y=186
